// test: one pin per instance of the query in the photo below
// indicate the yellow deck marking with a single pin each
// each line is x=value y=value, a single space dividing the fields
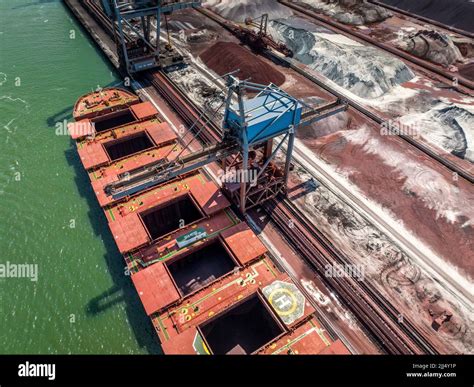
x=290 y=294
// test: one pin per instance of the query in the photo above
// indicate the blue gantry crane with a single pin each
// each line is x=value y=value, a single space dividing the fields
x=255 y=124
x=255 y=130
x=261 y=126
x=139 y=29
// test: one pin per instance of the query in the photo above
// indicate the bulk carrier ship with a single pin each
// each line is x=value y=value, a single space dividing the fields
x=206 y=281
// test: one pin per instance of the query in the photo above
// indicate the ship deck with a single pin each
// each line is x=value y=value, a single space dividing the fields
x=102 y=102
x=123 y=142
x=154 y=214
x=212 y=250
x=203 y=276
x=260 y=305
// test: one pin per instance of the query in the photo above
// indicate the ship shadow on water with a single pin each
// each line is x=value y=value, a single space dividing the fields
x=122 y=291
x=60 y=117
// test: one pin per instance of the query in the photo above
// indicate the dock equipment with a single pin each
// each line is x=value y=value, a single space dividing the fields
x=143 y=52
x=254 y=132
x=271 y=115
x=260 y=39
x=252 y=33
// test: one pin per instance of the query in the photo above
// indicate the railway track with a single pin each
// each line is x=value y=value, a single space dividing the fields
x=97 y=13
x=389 y=227
x=369 y=114
x=423 y=19
x=391 y=337
x=426 y=149
x=375 y=313
x=199 y=121
x=447 y=76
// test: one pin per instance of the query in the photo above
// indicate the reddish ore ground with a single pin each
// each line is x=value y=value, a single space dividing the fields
x=224 y=57
x=385 y=184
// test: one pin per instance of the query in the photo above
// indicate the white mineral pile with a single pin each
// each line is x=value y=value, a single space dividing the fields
x=353 y=12
x=433 y=46
x=449 y=126
x=239 y=10
x=364 y=71
x=385 y=264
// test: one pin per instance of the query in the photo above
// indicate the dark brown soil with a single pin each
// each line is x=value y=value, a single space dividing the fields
x=225 y=57
x=382 y=183
x=467 y=71
x=449 y=12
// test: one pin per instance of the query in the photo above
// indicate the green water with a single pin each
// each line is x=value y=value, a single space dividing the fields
x=82 y=302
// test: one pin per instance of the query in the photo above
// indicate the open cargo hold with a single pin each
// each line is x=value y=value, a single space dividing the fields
x=113 y=120
x=203 y=266
x=170 y=216
x=243 y=328
x=128 y=145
